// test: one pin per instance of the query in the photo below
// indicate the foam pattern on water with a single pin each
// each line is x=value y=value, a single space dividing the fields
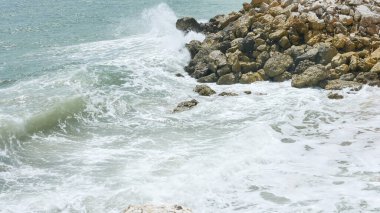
x=116 y=141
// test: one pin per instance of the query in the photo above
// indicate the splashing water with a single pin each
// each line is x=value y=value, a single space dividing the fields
x=97 y=134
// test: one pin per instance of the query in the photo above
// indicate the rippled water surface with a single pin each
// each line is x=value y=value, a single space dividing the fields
x=86 y=94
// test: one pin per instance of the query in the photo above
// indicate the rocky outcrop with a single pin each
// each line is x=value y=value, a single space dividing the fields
x=314 y=43
x=157 y=209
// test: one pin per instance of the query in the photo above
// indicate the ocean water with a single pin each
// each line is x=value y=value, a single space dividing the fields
x=86 y=93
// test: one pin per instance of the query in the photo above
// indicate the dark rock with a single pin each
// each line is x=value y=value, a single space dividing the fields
x=187 y=24
x=193 y=47
x=228 y=94
x=186 y=105
x=179 y=75
x=370 y=78
x=204 y=90
x=334 y=96
x=223 y=71
x=248 y=92
x=208 y=79
x=302 y=66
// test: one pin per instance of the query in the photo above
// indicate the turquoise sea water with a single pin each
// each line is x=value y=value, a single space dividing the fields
x=87 y=89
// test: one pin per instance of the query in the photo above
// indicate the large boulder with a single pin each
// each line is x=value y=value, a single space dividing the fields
x=187 y=24
x=157 y=209
x=227 y=79
x=277 y=64
x=310 y=77
x=325 y=53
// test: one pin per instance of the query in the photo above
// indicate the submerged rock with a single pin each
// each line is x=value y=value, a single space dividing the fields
x=334 y=96
x=228 y=94
x=157 y=209
x=186 y=105
x=204 y=90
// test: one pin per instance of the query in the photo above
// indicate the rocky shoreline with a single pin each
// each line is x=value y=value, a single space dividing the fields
x=327 y=44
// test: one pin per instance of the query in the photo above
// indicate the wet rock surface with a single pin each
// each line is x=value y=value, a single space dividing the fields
x=311 y=42
x=186 y=105
x=204 y=90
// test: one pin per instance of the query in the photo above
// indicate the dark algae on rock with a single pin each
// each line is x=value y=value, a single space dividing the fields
x=326 y=43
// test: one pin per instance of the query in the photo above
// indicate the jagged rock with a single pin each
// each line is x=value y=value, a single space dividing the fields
x=310 y=55
x=204 y=90
x=334 y=96
x=157 y=209
x=256 y=3
x=208 y=79
x=296 y=51
x=242 y=25
x=179 y=75
x=340 y=59
x=370 y=21
x=375 y=55
x=369 y=78
x=227 y=79
x=310 y=77
x=216 y=60
x=376 y=68
x=339 y=41
x=194 y=46
x=315 y=22
x=228 y=94
x=248 y=44
x=248 y=92
x=224 y=21
x=187 y=24
x=249 y=67
x=347 y=77
x=251 y=77
x=186 y=105
x=233 y=61
x=262 y=58
x=283 y=77
x=340 y=84
x=277 y=64
x=277 y=35
x=303 y=65
x=346 y=20
x=325 y=53
x=224 y=70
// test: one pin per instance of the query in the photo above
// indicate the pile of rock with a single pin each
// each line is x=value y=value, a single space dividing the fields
x=331 y=44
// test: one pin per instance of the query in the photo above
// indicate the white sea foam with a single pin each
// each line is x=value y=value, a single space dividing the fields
x=280 y=149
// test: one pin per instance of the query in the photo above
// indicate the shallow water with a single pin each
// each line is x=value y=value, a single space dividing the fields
x=87 y=127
